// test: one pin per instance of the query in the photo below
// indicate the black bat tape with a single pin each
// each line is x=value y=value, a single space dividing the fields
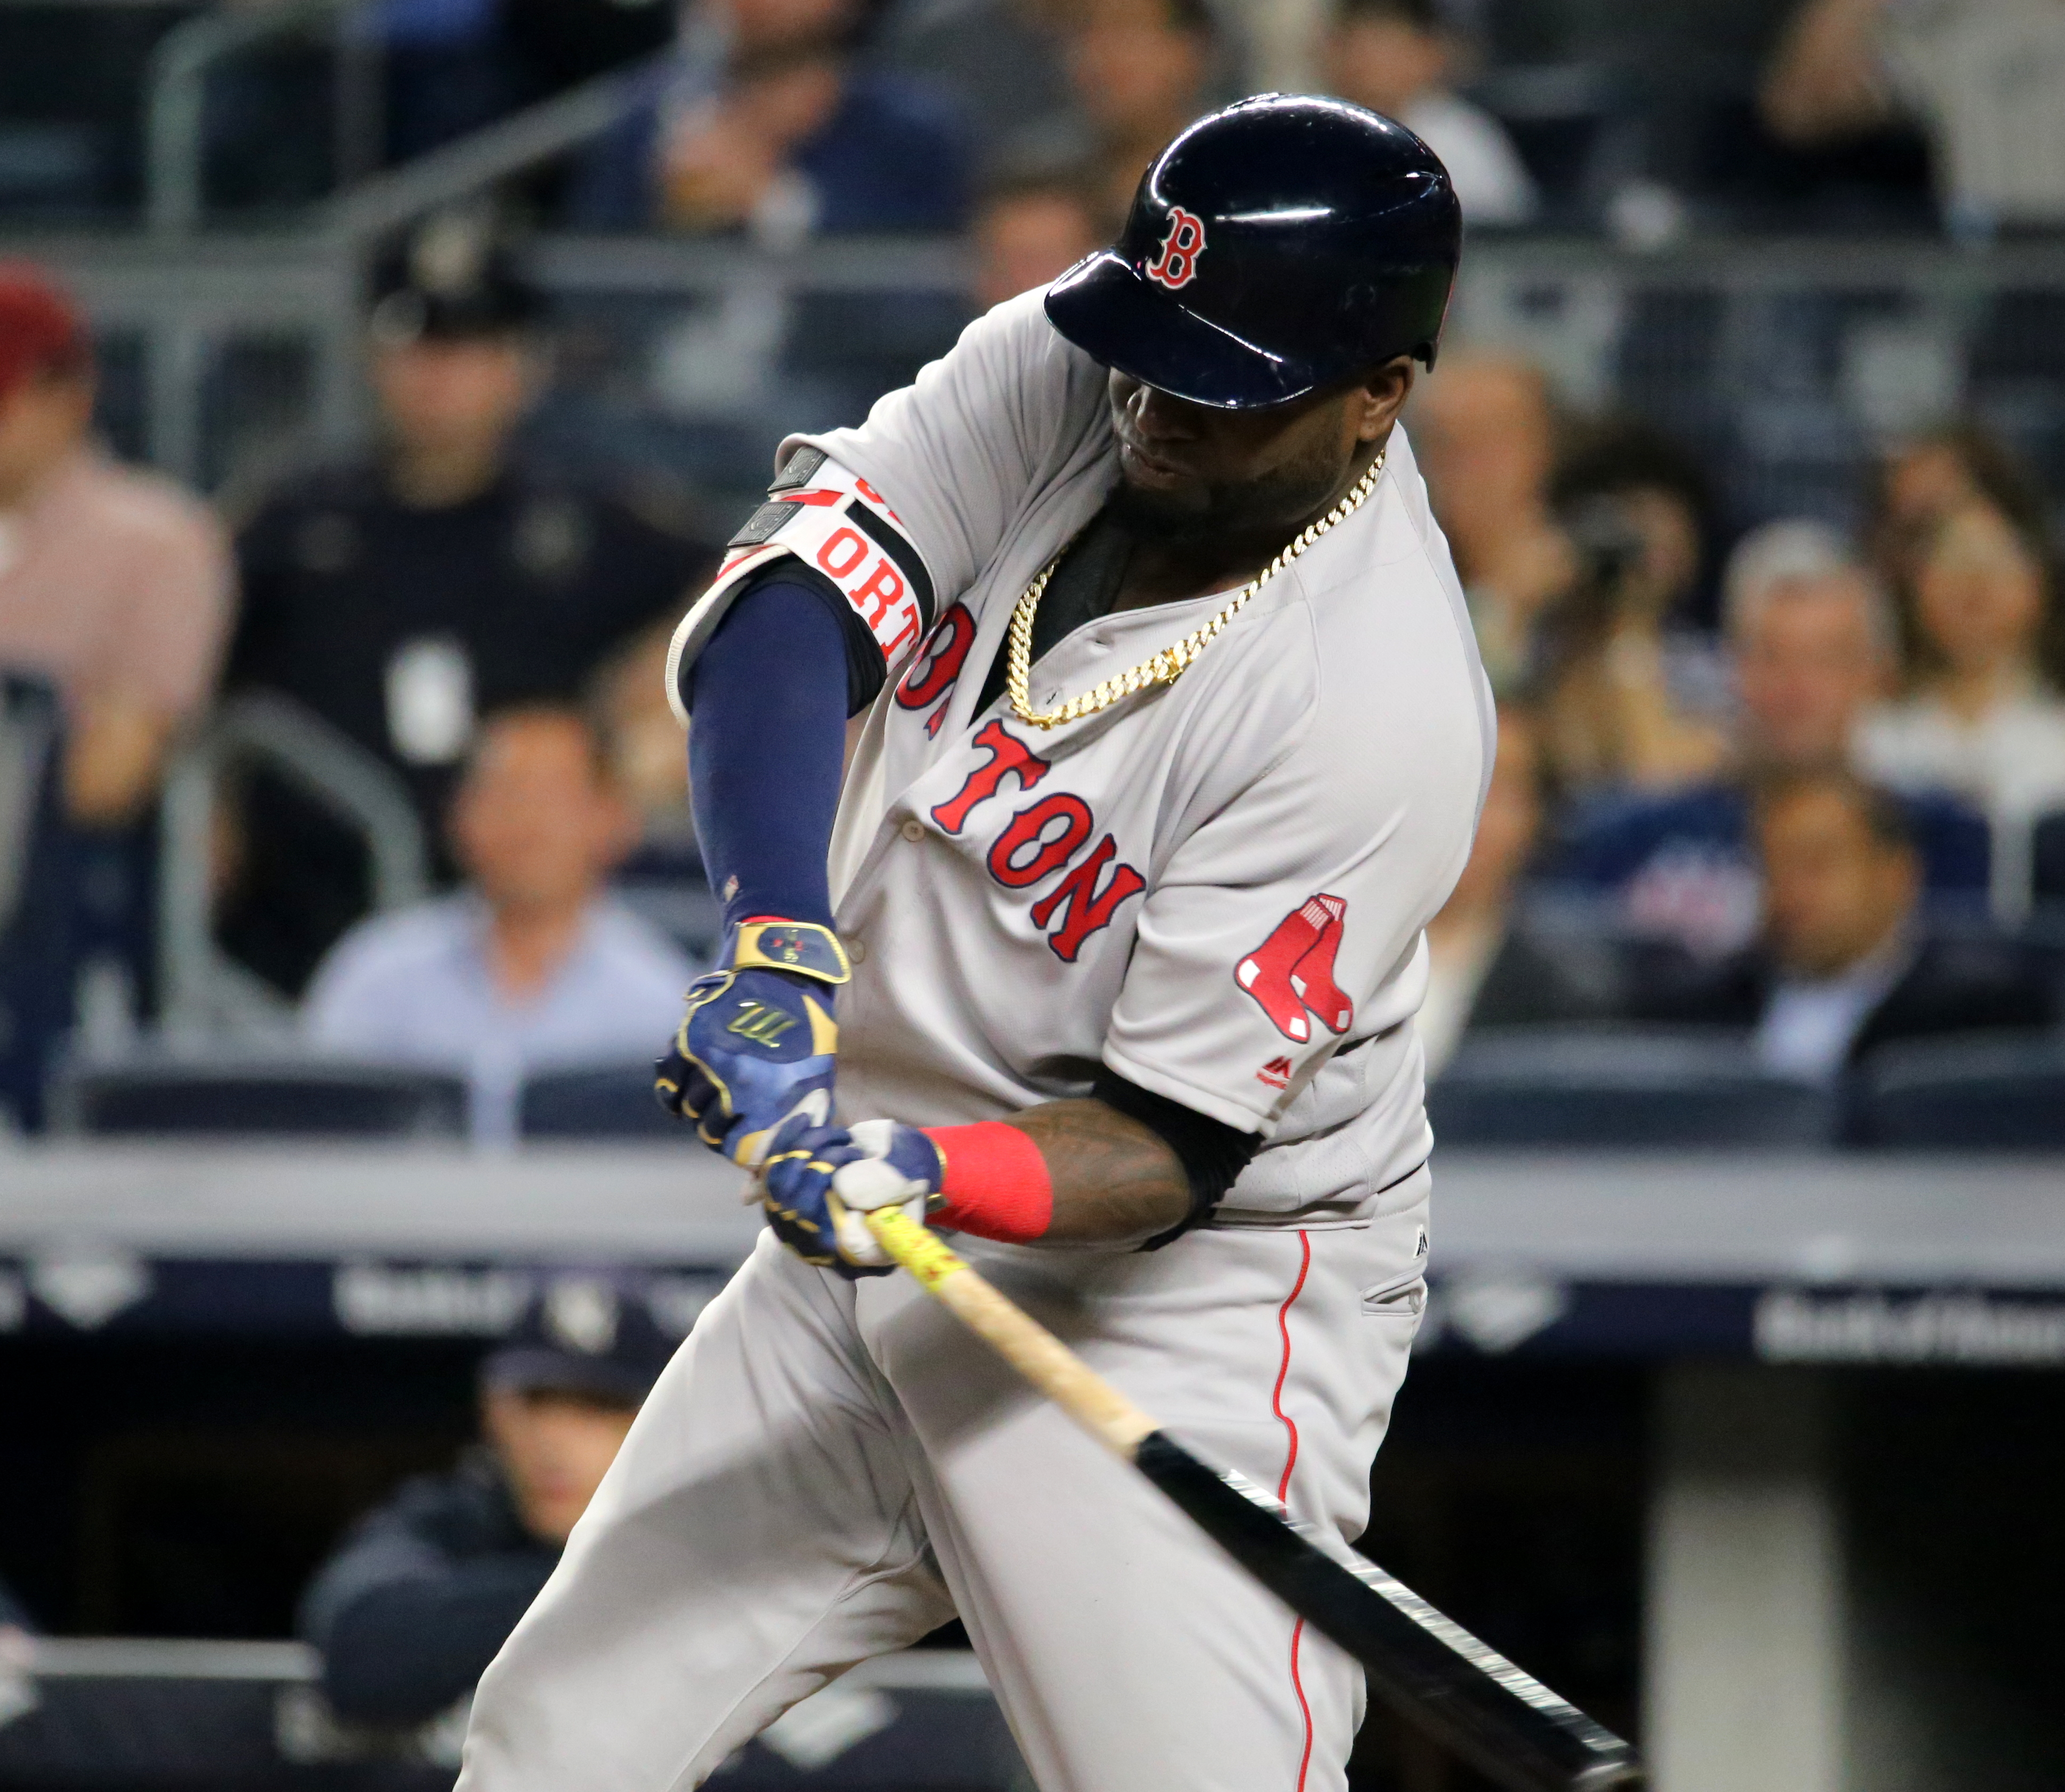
x=1433 y=1671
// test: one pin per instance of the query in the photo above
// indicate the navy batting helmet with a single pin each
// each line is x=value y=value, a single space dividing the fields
x=1275 y=247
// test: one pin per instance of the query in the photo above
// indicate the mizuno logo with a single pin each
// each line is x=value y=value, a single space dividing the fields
x=760 y=1023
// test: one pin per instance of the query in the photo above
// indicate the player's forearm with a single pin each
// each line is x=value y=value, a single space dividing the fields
x=767 y=752
x=1114 y=1180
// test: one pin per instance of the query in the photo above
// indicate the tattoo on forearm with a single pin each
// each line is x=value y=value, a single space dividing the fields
x=1114 y=1180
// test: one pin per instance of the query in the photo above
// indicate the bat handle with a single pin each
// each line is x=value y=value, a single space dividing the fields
x=1034 y=1352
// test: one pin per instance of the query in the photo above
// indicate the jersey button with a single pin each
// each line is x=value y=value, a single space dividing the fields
x=856 y=951
x=913 y=831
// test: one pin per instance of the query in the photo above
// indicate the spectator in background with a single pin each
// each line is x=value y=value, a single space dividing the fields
x=792 y=139
x=1143 y=70
x=1395 y=57
x=1843 y=967
x=1630 y=697
x=643 y=739
x=1484 y=428
x=1921 y=481
x=1029 y=231
x=1982 y=715
x=396 y=597
x=424 y=1592
x=1483 y=969
x=1811 y=638
x=1986 y=77
x=531 y=965
x=115 y=585
x=1002 y=61
x=443 y=70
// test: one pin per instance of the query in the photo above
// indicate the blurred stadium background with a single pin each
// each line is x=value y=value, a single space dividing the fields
x=456 y=334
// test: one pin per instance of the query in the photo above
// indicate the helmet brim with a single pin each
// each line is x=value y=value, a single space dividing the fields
x=1105 y=307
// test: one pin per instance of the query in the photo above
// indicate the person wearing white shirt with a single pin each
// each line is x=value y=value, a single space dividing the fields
x=1981 y=718
x=533 y=964
x=1394 y=57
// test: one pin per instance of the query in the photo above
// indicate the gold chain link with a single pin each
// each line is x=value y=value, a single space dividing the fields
x=1171 y=663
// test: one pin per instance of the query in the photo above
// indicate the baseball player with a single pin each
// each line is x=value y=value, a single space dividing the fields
x=1169 y=735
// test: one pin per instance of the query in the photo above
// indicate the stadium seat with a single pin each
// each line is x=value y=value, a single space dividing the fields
x=2047 y=853
x=597 y=1101
x=1623 y=1086
x=281 y=1097
x=1981 y=1092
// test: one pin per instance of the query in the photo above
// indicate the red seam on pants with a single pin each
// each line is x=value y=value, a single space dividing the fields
x=1298 y=1686
x=1284 y=1370
x=1283 y=1482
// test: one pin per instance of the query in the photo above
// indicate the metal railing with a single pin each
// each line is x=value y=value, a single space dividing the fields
x=176 y=108
x=203 y=991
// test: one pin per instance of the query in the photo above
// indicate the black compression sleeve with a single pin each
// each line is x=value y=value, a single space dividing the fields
x=1211 y=1153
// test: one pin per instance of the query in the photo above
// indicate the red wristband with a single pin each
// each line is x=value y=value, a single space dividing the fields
x=996 y=1183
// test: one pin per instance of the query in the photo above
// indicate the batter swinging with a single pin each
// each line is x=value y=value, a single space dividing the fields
x=1171 y=736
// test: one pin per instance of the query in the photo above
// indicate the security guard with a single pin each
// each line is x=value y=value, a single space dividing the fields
x=398 y=597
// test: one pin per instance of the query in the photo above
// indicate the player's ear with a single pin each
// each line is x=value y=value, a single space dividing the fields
x=1381 y=395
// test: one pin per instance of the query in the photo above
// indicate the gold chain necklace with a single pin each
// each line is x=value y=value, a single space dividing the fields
x=1171 y=663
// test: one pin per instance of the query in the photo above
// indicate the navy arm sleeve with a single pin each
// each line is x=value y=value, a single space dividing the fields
x=769 y=697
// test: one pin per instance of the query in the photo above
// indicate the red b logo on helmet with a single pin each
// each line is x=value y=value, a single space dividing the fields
x=1177 y=261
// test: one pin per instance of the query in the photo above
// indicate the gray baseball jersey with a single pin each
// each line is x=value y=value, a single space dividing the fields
x=1217 y=889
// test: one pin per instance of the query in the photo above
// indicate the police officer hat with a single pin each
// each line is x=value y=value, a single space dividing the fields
x=588 y=1332
x=450 y=279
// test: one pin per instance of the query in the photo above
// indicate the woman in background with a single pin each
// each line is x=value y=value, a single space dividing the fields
x=1982 y=714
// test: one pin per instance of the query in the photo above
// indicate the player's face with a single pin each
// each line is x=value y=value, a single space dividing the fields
x=1190 y=470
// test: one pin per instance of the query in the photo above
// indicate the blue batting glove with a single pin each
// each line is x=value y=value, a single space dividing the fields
x=758 y=1043
x=817 y=1182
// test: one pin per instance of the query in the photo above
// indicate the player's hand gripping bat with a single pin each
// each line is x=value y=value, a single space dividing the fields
x=1428 y=1670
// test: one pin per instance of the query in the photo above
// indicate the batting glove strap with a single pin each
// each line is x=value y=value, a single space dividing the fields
x=802 y=948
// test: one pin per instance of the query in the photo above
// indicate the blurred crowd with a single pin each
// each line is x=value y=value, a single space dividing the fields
x=1811 y=787
x=388 y=730
x=1802 y=783
x=782 y=117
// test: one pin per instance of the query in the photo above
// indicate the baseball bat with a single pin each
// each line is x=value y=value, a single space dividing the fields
x=1426 y=1668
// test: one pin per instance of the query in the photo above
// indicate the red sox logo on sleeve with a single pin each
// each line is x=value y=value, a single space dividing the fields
x=1176 y=263
x=1291 y=973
